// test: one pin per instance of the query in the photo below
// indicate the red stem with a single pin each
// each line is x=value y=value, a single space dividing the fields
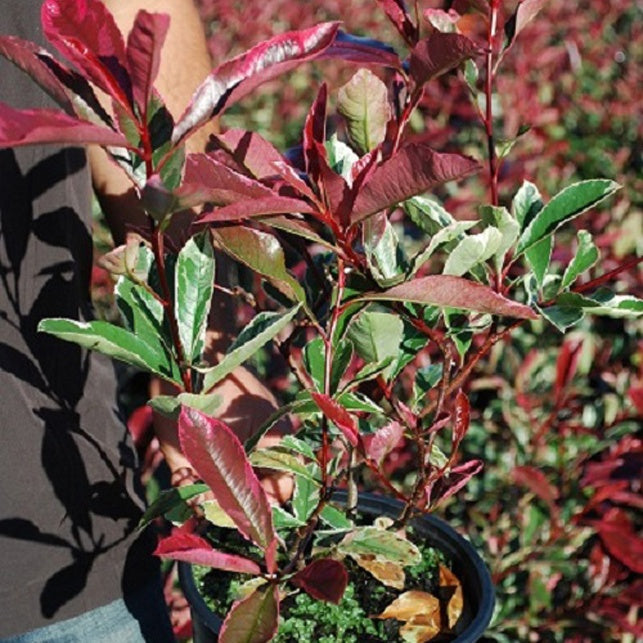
x=488 y=121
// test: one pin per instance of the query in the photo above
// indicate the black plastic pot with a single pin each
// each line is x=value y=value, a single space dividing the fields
x=478 y=591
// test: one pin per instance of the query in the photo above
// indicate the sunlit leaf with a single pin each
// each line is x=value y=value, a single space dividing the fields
x=586 y=256
x=472 y=250
x=381 y=545
x=170 y=499
x=451 y=593
x=253 y=619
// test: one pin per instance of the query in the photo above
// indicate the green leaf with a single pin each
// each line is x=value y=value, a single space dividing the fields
x=586 y=256
x=171 y=499
x=377 y=337
x=383 y=252
x=282 y=519
x=215 y=514
x=563 y=317
x=452 y=232
x=277 y=459
x=381 y=544
x=427 y=214
x=567 y=204
x=363 y=102
x=298 y=446
x=264 y=327
x=193 y=289
x=253 y=619
x=335 y=518
x=471 y=251
x=341 y=158
x=315 y=359
x=170 y=405
x=263 y=253
x=115 y=342
x=305 y=497
x=508 y=226
x=603 y=302
x=526 y=204
x=538 y=257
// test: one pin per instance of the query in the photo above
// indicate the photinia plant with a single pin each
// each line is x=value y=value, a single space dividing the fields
x=362 y=270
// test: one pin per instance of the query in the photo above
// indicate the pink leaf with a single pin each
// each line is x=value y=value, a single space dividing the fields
x=525 y=12
x=412 y=170
x=340 y=417
x=384 y=440
x=439 y=53
x=324 y=579
x=536 y=481
x=220 y=460
x=253 y=619
x=461 y=421
x=85 y=32
x=447 y=291
x=620 y=539
x=236 y=78
x=363 y=51
x=144 y=54
x=457 y=478
x=31 y=59
x=191 y=548
x=29 y=126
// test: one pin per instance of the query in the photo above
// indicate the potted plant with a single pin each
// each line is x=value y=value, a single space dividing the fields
x=379 y=300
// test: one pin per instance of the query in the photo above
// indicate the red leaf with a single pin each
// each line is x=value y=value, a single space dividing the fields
x=412 y=170
x=525 y=12
x=236 y=78
x=144 y=54
x=566 y=365
x=340 y=417
x=324 y=579
x=439 y=53
x=462 y=415
x=383 y=441
x=635 y=393
x=218 y=456
x=254 y=619
x=399 y=16
x=251 y=151
x=315 y=135
x=31 y=59
x=536 y=481
x=191 y=548
x=454 y=292
x=453 y=482
x=618 y=536
x=364 y=51
x=257 y=207
x=29 y=126
x=85 y=32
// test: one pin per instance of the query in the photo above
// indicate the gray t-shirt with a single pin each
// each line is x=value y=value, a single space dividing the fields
x=67 y=509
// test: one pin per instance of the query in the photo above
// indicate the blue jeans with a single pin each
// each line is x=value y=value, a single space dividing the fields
x=139 y=618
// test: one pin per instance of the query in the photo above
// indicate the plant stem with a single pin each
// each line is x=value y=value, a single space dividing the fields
x=488 y=120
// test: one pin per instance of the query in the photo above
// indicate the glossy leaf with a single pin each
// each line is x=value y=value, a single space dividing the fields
x=446 y=291
x=506 y=224
x=603 y=302
x=472 y=250
x=191 y=548
x=170 y=405
x=339 y=416
x=538 y=258
x=567 y=204
x=34 y=126
x=144 y=54
x=236 y=78
x=586 y=256
x=398 y=14
x=87 y=35
x=263 y=253
x=427 y=214
x=363 y=102
x=305 y=498
x=563 y=317
x=254 y=619
x=461 y=418
x=526 y=204
x=194 y=286
x=219 y=458
x=383 y=251
x=439 y=53
x=279 y=460
x=324 y=579
x=257 y=207
x=411 y=171
x=113 y=341
x=377 y=336
x=264 y=327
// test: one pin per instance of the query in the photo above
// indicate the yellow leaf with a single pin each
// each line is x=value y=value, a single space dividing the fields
x=421 y=629
x=413 y=604
x=451 y=592
x=391 y=574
